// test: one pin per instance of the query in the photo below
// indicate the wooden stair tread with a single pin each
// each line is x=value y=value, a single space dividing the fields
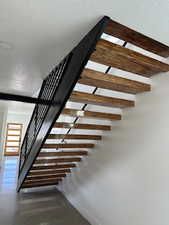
x=35 y=184
x=44 y=180
x=53 y=167
x=94 y=99
x=48 y=172
x=129 y=35
x=82 y=126
x=70 y=145
x=122 y=58
x=8 y=146
x=111 y=82
x=74 y=136
x=14 y=129
x=14 y=135
x=39 y=184
x=69 y=153
x=58 y=160
x=98 y=115
x=45 y=177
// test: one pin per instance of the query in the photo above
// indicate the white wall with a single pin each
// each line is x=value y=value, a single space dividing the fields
x=125 y=179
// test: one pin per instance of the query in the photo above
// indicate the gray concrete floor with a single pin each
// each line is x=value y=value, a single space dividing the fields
x=40 y=207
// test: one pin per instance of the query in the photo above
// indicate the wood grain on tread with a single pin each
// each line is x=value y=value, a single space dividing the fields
x=44 y=180
x=58 y=160
x=129 y=35
x=38 y=184
x=69 y=153
x=53 y=167
x=48 y=172
x=90 y=114
x=100 y=100
x=46 y=177
x=114 y=55
x=111 y=82
x=77 y=145
x=82 y=126
x=74 y=136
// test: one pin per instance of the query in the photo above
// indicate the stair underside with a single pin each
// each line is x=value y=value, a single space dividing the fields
x=74 y=136
x=70 y=145
x=53 y=167
x=83 y=126
x=68 y=153
x=91 y=114
x=49 y=172
x=111 y=82
x=125 y=33
x=54 y=162
x=100 y=100
x=122 y=58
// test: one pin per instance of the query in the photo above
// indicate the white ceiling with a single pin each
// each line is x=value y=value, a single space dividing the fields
x=39 y=33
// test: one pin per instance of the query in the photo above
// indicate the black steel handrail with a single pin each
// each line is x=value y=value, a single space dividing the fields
x=47 y=92
x=56 y=88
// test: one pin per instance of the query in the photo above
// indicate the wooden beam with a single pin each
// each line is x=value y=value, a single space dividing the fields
x=100 y=100
x=53 y=167
x=53 y=180
x=38 y=184
x=59 y=160
x=12 y=146
x=14 y=129
x=78 y=145
x=14 y=135
x=91 y=114
x=44 y=180
x=74 y=136
x=16 y=124
x=10 y=153
x=110 y=54
x=48 y=172
x=69 y=153
x=45 y=177
x=82 y=126
x=111 y=82
x=129 y=35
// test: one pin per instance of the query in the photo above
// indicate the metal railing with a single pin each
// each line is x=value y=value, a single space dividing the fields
x=55 y=91
x=47 y=92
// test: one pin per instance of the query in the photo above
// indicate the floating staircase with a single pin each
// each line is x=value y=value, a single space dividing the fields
x=52 y=148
